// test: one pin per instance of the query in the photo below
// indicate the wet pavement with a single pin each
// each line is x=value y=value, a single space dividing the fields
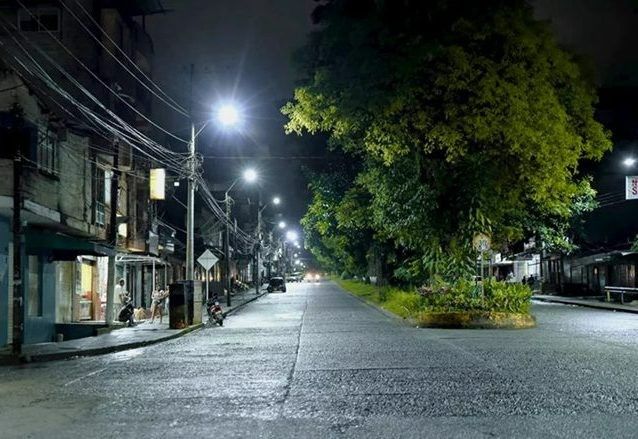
x=317 y=362
x=143 y=333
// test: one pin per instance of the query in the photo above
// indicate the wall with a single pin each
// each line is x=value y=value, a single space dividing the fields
x=38 y=329
x=65 y=273
x=5 y=273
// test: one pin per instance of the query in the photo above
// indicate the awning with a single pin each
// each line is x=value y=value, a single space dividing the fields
x=63 y=247
x=132 y=258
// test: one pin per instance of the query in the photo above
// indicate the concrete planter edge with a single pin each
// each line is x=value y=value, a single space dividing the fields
x=475 y=320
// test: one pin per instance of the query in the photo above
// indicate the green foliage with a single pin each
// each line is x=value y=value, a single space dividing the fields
x=336 y=224
x=464 y=117
x=441 y=296
x=465 y=295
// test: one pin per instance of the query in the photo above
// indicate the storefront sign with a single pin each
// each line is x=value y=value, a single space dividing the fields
x=158 y=184
x=631 y=187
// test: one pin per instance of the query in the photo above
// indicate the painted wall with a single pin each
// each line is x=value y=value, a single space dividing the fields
x=38 y=329
x=5 y=272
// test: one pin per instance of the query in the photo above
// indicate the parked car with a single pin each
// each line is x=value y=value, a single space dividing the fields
x=276 y=284
x=295 y=277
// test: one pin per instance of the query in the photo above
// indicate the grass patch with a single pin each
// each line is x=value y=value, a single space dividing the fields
x=460 y=297
x=402 y=303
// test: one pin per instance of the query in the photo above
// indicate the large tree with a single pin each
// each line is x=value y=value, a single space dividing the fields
x=467 y=115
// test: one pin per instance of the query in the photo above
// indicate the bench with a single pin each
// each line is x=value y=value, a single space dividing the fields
x=621 y=292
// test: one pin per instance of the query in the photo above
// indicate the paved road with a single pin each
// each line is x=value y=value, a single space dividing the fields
x=316 y=362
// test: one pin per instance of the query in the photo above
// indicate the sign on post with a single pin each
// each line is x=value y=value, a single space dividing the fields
x=481 y=242
x=207 y=260
x=631 y=187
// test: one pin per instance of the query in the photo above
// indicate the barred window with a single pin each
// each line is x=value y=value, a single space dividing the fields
x=47 y=146
x=39 y=20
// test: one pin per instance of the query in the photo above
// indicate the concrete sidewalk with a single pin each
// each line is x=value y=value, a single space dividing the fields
x=143 y=334
x=593 y=302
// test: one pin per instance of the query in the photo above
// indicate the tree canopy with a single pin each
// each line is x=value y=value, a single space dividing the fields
x=465 y=117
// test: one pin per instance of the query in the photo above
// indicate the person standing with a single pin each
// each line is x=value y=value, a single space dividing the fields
x=157 y=305
x=120 y=298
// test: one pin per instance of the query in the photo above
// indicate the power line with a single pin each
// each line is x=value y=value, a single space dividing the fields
x=97 y=78
x=172 y=104
x=92 y=116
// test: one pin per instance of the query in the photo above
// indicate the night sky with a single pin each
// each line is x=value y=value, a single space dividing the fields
x=241 y=49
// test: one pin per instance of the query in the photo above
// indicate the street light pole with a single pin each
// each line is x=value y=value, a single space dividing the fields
x=190 y=212
x=227 y=251
x=258 y=245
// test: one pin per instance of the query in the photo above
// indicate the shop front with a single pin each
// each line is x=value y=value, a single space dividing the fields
x=65 y=281
x=142 y=275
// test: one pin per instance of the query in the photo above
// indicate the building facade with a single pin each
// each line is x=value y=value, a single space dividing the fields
x=69 y=205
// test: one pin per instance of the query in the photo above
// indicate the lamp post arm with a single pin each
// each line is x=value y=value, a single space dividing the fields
x=230 y=188
x=201 y=129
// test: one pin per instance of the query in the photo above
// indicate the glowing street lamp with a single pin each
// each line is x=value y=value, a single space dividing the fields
x=291 y=235
x=629 y=162
x=276 y=201
x=282 y=224
x=228 y=115
x=250 y=175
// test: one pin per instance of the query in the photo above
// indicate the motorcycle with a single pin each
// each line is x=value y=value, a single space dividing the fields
x=215 y=313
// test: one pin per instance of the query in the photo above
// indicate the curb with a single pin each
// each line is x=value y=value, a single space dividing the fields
x=584 y=305
x=476 y=320
x=403 y=320
x=99 y=351
x=13 y=361
x=235 y=308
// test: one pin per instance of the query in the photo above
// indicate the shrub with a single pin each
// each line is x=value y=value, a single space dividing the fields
x=465 y=295
x=402 y=303
x=460 y=296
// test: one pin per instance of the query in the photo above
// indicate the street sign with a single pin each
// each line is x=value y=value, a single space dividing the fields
x=631 y=187
x=481 y=242
x=207 y=260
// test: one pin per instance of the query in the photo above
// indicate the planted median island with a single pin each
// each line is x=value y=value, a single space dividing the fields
x=461 y=304
x=443 y=127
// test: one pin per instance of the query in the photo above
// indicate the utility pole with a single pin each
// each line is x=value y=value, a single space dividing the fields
x=115 y=190
x=190 y=212
x=283 y=259
x=227 y=282
x=18 y=239
x=258 y=245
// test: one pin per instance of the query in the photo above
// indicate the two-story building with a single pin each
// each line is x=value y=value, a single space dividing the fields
x=66 y=166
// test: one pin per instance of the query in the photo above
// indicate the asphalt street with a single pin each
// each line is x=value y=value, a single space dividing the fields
x=317 y=362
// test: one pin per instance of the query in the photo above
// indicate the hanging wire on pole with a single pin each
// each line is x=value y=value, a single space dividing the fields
x=96 y=77
x=172 y=104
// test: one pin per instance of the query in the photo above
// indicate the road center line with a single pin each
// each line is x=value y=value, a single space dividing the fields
x=95 y=372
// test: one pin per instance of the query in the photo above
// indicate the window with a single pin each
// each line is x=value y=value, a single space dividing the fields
x=39 y=20
x=47 y=145
x=108 y=175
x=34 y=297
x=102 y=193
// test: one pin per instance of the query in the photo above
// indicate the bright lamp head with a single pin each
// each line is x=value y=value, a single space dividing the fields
x=282 y=224
x=228 y=115
x=276 y=201
x=291 y=235
x=250 y=175
x=629 y=162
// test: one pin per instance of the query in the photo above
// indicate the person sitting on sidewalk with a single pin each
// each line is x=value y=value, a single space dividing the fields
x=126 y=314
